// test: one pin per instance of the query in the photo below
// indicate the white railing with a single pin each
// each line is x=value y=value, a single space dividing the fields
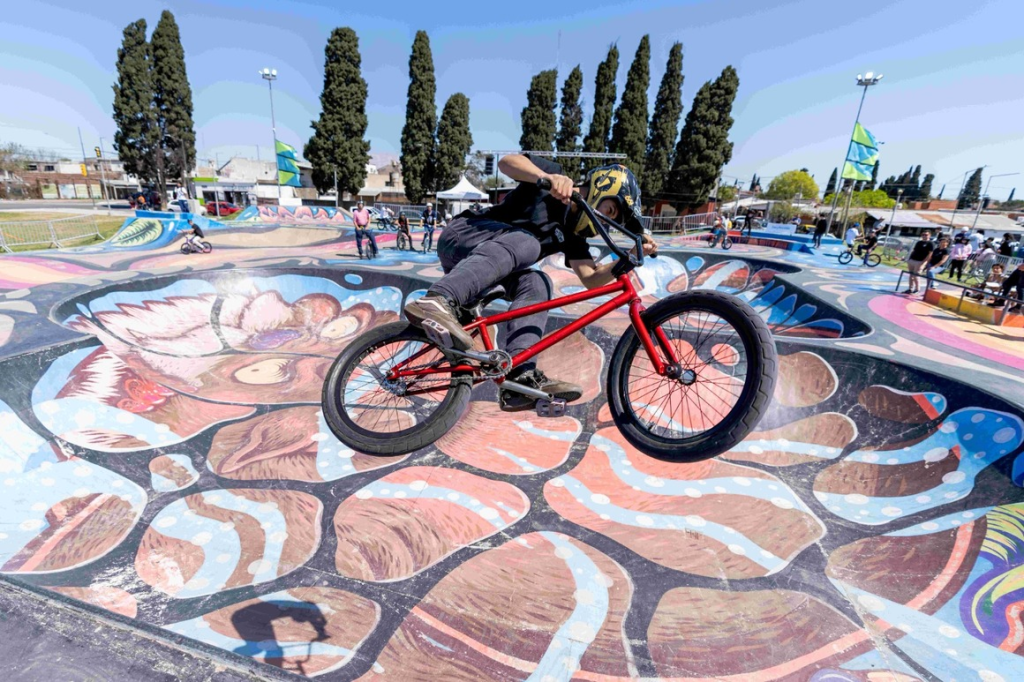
x=22 y=235
x=680 y=224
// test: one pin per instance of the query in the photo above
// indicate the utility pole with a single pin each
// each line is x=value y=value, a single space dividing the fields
x=103 y=175
x=888 y=232
x=335 y=187
x=981 y=199
x=865 y=82
x=270 y=75
x=84 y=171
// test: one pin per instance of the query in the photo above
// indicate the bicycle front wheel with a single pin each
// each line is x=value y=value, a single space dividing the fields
x=726 y=244
x=716 y=393
x=371 y=414
x=845 y=257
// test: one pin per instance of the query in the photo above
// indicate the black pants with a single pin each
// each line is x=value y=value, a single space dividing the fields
x=956 y=266
x=428 y=237
x=476 y=254
x=1014 y=281
x=364 y=233
x=817 y=239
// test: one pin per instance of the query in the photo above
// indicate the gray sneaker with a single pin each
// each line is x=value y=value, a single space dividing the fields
x=439 y=318
x=510 y=401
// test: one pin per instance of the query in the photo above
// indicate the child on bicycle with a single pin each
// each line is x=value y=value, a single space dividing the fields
x=500 y=244
x=718 y=233
x=403 y=227
x=192 y=236
x=429 y=223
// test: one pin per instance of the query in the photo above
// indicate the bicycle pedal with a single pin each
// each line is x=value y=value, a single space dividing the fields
x=437 y=333
x=551 y=408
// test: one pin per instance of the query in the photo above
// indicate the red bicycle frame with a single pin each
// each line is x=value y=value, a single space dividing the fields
x=626 y=295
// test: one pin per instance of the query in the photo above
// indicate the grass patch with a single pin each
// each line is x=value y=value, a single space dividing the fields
x=107 y=226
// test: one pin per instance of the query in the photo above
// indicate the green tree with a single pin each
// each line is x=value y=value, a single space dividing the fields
x=596 y=140
x=668 y=107
x=172 y=97
x=925 y=192
x=420 y=122
x=754 y=182
x=454 y=140
x=538 y=115
x=866 y=199
x=830 y=188
x=337 y=143
x=726 y=193
x=629 y=134
x=791 y=183
x=570 y=122
x=704 y=146
x=914 y=190
x=137 y=139
x=972 y=191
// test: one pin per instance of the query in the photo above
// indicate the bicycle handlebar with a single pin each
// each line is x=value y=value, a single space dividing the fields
x=627 y=261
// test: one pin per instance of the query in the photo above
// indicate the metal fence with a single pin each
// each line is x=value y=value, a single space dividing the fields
x=46 y=233
x=680 y=224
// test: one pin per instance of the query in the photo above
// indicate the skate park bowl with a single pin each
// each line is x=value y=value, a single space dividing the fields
x=164 y=462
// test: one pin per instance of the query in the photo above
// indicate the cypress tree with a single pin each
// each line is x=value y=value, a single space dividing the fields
x=596 y=140
x=972 y=191
x=830 y=188
x=753 y=182
x=668 y=107
x=137 y=139
x=420 y=122
x=538 y=116
x=172 y=97
x=925 y=192
x=570 y=120
x=915 y=184
x=453 y=140
x=629 y=134
x=1012 y=192
x=874 y=176
x=704 y=147
x=942 y=191
x=337 y=143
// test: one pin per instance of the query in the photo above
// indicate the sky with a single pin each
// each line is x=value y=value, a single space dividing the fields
x=952 y=98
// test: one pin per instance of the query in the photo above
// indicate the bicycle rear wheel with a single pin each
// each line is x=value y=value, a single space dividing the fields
x=371 y=414
x=723 y=385
x=872 y=260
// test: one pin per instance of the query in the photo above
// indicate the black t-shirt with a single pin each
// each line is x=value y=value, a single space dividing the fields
x=1005 y=249
x=536 y=211
x=922 y=250
x=871 y=241
x=198 y=231
x=821 y=226
x=938 y=254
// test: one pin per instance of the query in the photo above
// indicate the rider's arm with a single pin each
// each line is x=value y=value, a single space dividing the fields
x=522 y=169
x=593 y=275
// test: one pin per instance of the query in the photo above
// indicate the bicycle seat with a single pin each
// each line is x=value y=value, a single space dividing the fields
x=476 y=308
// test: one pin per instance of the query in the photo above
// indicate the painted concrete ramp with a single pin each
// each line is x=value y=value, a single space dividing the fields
x=170 y=467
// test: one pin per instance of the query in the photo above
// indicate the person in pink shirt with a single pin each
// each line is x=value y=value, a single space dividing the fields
x=958 y=257
x=361 y=217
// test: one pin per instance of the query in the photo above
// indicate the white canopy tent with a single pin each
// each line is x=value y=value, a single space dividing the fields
x=464 y=190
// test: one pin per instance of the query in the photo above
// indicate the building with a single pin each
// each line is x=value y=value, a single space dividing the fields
x=382 y=184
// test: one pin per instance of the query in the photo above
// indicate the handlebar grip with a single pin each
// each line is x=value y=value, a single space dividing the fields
x=543 y=183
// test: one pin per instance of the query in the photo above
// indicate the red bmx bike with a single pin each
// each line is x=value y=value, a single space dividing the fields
x=688 y=380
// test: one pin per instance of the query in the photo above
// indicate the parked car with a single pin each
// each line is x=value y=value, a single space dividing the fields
x=221 y=208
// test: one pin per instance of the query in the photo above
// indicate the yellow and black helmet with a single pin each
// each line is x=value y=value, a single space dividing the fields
x=617 y=182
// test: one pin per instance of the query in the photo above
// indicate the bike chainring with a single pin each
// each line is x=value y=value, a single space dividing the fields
x=498 y=365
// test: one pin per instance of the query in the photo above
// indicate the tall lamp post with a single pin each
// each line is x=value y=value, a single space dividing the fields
x=963 y=183
x=981 y=199
x=865 y=81
x=270 y=75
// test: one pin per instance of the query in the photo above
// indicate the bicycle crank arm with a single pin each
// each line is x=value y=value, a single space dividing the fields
x=526 y=390
x=484 y=358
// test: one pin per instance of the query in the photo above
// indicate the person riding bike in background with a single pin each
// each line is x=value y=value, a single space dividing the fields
x=361 y=218
x=192 y=236
x=868 y=244
x=718 y=233
x=429 y=223
x=403 y=227
x=500 y=244
x=852 y=235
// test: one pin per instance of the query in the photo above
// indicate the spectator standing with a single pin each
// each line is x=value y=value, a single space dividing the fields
x=819 y=231
x=748 y=224
x=181 y=198
x=976 y=240
x=919 y=253
x=429 y=223
x=958 y=258
x=1006 y=246
x=1014 y=281
x=361 y=217
x=940 y=254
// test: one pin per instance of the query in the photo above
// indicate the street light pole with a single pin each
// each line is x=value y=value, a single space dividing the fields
x=981 y=199
x=865 y=82
x=888 y=232
x=270 y=75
